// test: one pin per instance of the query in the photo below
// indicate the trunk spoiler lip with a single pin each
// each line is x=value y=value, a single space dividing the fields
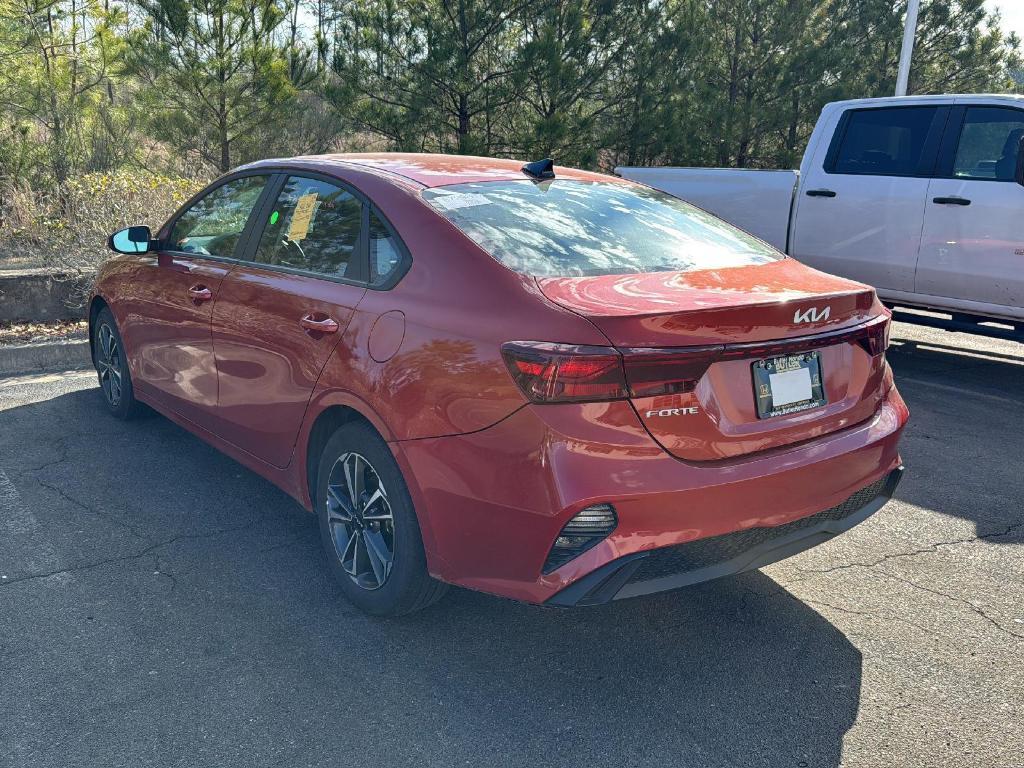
x=766 y=299
x=773 y=347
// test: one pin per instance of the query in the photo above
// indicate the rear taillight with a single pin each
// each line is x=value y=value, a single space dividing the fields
x=561 y=373
x=876 y=340
x=652 y=372
x=565 y=373
x=557 y=373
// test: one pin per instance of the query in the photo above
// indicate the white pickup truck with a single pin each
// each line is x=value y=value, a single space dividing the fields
x=921 y=197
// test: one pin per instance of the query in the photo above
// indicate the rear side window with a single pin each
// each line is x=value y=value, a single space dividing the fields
x=577 y=228
x=385 y=255
x=884 y=142
x=214 y=223
x=313 y=226
x=989 y=141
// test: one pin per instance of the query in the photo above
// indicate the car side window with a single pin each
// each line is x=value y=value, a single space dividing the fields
x=884 y=142
x=385 y=255
x=313 y=226
x=213 y=225
x=989 y=142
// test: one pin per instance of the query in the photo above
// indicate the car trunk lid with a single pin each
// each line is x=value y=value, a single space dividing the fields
x=715 y=358
x=753 y=303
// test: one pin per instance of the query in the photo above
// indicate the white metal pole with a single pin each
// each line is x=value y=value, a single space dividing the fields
x=908 y=47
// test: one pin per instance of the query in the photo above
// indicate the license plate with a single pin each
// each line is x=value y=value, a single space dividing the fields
x=788 y=384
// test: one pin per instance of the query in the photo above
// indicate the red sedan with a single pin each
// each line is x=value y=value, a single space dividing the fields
x=539 y=382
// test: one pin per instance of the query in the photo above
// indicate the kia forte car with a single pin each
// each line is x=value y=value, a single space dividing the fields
x=547 y=384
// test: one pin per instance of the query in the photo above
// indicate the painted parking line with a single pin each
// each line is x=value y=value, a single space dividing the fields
x=960 y=392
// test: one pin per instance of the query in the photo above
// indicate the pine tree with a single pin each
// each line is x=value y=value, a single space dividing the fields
x=216 y=76
x=57 y=59
x=427 y=74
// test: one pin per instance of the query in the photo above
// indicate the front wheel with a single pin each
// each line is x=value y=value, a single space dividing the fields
x=111 y=361
x=368 y=526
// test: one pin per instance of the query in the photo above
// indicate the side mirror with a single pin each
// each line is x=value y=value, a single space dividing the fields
x=1018 y=174
x=131 y=241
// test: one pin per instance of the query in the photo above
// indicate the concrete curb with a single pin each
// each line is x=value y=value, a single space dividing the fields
x=40 y=295
x=44 y=356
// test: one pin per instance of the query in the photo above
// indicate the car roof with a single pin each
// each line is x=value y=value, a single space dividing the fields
x=429 y=170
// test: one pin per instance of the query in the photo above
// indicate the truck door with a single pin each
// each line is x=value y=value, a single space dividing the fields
x=861 y=200
x=972 y=245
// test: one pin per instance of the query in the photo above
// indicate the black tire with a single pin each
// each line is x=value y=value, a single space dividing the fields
x=387 y=525
x=111 y=363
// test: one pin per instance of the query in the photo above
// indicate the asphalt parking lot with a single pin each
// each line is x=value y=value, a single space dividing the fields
x=162 y=606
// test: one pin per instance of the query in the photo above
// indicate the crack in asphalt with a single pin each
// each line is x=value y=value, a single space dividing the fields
x=928 y=550
x=954 y=598
x=871 y=615
x=159 y=569
x=94 y=511
x=134 y=556
x=62 y=446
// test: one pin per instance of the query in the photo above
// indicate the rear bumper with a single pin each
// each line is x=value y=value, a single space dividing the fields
x=491 y=503
x=661 y=570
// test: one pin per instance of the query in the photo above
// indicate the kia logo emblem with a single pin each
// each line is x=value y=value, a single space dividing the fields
x=811 y=315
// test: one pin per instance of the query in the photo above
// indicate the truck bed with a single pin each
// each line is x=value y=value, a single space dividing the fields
x=756 y=201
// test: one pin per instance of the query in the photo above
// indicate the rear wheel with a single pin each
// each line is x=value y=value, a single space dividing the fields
x=368 y=526
x=109 y=357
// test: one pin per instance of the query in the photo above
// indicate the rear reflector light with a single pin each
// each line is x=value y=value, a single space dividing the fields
x=565 y=373
x=581 y=533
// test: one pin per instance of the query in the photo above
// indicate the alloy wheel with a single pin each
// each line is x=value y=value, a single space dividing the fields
x=360 y=521
x=108 y=364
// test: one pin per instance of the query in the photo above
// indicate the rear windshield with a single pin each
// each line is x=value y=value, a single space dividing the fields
x=579 y=228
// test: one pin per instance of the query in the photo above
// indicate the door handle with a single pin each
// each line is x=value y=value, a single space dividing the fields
x=820 y=193
x=327 y=325
x=951 y=200
x=200 y=293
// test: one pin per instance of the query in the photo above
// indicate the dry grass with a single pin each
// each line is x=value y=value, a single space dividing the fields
x=70 y=236
x=22 y=333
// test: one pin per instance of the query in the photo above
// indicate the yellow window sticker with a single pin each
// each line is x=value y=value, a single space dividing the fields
x=302 y=218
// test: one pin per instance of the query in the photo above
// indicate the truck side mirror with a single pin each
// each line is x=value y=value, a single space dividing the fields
x=1018 y=174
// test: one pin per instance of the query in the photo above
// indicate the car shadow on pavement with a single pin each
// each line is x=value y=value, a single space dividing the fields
x=165 y=606
x=737 y=673
x=966 y=404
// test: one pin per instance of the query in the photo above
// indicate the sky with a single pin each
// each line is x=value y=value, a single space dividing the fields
x=1013 y=14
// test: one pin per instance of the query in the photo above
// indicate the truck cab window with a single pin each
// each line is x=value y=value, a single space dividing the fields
x=884 y=142
x=989 y=141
